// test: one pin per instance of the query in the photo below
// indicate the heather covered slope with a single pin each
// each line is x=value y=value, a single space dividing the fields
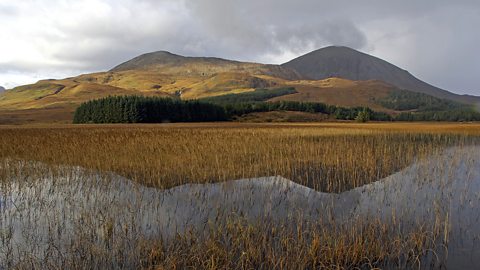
x=168 y=75
x=154 y=74
x=333 y=75
x=341 y=92
x=168 y=63
x=61 y=97
x=344 y=62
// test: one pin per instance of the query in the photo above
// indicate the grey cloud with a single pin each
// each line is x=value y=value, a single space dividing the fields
x=247 y=30
x=340 y=32
x=429 y=38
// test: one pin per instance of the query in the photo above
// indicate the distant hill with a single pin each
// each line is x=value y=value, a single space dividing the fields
x=2 y=89
x=347 y=63
x=169 y=63
x=334 y=75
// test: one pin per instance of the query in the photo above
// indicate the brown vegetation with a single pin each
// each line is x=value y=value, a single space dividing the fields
x=340 y=92
x=327 y=157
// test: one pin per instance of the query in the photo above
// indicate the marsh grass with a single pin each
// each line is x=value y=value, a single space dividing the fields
x=102 y=240
x=330 y=158
x=356 y=244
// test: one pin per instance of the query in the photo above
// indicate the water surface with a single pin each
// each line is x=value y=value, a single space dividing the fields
x=38 y=214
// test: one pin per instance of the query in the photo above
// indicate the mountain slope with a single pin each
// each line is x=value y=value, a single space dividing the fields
x=166 y=74
x=341 y=92
x=168 y=63
x=154 y=74
x=344 y=62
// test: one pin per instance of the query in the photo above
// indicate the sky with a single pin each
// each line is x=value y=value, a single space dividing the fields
x=436 y=40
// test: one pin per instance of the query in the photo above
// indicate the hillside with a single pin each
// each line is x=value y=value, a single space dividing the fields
x=51 y=100
x=344 y=62
x=358 y=80
x=61 y=97
x=168 y=63
x=340 y=92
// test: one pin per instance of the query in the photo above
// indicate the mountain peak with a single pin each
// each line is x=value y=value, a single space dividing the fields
x=149 y=59
x=335 y=48
x=347 y=63
x=160 y=54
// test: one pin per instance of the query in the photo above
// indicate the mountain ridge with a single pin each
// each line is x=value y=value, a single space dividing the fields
x=166 y=74
x=347 y=63
x=160 y=57
x=167 y=62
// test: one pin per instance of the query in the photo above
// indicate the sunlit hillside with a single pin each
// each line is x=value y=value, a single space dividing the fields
x=165 y=74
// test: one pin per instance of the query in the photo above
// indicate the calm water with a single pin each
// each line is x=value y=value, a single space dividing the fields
x=41 y=213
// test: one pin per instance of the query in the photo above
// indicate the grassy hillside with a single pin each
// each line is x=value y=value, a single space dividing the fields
x=253 y=96
x=56 y=93
x=410 y=101
x=168 y=63
x=340 y=92
x=65 y=95
x=90 y=86
x=347 y=63
x=163 y=74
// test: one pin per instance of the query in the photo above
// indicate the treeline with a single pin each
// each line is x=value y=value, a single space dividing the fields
x=254 y=96
x=459 y=115
x=250 y=102
x=406 y=101
x=341 y=113
x=424 y=107
x=138 y=109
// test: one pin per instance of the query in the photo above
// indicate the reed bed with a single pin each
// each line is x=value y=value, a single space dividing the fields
x=331 y=158
x=106 y=233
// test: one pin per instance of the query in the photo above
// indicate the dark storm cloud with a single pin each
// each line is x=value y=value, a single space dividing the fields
x=435 y=40
x=252 y=30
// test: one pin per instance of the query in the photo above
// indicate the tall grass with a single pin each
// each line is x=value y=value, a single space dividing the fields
x=328 y=157
x=331 y=158
x=106 y=233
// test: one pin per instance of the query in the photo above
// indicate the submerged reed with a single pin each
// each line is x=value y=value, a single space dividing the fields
x=80 y=218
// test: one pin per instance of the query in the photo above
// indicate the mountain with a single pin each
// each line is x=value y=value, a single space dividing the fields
x=169 y=63
x=153 y=74
x=347 y=63
x=2 y=89
x=333 y=75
